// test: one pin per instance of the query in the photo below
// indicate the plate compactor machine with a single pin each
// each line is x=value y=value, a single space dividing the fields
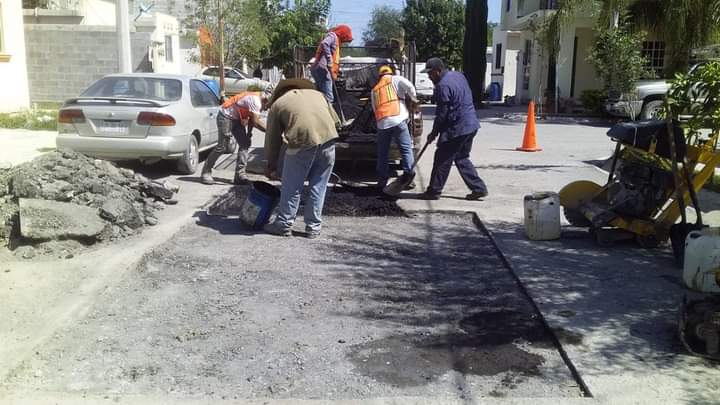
x=653 y=177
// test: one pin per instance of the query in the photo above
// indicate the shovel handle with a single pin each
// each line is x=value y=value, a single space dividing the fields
x=427 y=143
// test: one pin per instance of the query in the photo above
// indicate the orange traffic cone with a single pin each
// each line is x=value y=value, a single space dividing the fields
x=529 y=140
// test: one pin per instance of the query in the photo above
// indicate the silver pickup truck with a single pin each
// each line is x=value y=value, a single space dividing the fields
x=647 y=102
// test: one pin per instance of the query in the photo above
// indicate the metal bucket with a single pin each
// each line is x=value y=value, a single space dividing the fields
x=259 y=204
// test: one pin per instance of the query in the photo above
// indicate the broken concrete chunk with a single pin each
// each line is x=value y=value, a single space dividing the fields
x=157 y=190
x=53 y=220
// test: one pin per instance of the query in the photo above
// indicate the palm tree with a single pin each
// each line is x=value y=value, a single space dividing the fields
x=682 y=24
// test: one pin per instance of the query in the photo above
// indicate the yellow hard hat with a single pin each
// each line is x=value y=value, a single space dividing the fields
x=385 y=70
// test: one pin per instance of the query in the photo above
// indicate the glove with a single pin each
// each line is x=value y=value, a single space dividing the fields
x=432 y=136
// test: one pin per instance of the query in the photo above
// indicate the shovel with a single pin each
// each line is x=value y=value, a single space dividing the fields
x=397 y=186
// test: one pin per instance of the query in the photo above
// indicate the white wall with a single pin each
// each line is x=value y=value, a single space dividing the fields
x=98 y=12
x=13 y=70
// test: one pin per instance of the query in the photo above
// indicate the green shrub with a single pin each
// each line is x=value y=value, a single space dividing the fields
x=34 y=119
x=594 y=101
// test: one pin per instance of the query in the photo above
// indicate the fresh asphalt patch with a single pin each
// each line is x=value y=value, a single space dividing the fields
x=378 y=306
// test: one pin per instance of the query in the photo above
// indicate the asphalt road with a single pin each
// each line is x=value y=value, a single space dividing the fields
x=378 y=307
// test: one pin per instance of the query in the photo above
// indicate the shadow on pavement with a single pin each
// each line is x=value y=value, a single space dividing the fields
x=439 y=284
x=625 y=297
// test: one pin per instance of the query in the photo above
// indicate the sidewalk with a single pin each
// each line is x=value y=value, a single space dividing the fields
x=22 y=145
x=615 y=309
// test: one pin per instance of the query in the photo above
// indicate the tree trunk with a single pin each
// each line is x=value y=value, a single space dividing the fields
x=475 y=45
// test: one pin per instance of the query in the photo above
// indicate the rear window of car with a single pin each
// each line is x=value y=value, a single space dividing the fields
x=149 y=88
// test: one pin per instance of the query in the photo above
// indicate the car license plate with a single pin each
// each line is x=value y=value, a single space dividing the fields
x=113 y=127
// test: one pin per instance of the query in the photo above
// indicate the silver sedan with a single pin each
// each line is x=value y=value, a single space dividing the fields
x=142 y=116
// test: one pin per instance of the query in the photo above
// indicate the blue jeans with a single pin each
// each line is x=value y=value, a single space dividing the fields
x=314 y=164
x=323 y=83
x=401 y=135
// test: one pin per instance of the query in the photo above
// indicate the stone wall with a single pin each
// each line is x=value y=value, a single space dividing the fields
x=63 y=60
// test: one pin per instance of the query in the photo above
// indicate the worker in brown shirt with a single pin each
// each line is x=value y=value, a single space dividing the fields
x=302 y=119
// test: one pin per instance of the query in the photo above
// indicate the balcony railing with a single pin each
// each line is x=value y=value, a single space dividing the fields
x=52 y=4
x=526 y=7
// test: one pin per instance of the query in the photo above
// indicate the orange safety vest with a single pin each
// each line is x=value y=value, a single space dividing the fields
x=336 y=57
x=243 y=112
x=385 y=99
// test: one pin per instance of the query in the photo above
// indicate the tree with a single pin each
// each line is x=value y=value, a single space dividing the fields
x=682 y=24
x=437 y=27
x=490 y=28
x=475 y=45
x=246 y=37
x=301 y=25
x=385 y=25
x=618 y=60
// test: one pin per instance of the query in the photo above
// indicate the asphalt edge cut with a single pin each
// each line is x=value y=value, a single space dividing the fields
x=563 y=354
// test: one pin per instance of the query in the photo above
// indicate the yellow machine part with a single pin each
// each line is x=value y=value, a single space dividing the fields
x=577 y=192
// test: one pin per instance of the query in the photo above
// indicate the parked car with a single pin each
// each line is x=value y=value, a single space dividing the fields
x=423 y=84
x=142 y=116
x=236 y=81
x=647 y=102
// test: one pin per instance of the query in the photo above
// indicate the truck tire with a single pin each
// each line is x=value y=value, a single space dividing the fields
x=651 y=110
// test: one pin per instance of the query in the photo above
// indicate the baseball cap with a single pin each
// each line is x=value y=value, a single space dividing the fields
x=433 y=63
x=385 y=70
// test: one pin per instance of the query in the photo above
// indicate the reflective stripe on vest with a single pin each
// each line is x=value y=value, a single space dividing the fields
x=242 y=112
x=335 y=56
x=385 y=99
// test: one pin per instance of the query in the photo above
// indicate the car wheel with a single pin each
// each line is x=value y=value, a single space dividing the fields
x=651 y=110
x=188 y=163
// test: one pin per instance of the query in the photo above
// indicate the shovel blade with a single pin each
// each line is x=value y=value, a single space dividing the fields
x=397 y=186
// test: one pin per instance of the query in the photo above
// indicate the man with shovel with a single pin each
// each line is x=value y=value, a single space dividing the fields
x=388 y=99
x=455 y=126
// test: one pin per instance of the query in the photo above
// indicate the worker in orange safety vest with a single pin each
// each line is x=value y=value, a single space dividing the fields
x=326 y=67
x=236 y=119
x=389 y=98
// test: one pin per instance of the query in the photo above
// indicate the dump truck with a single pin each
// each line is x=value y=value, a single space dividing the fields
x=358 y=75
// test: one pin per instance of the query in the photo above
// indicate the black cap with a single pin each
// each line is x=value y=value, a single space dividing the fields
x=433 y=64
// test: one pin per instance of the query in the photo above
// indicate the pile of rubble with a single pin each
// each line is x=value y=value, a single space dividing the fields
x=64 y=199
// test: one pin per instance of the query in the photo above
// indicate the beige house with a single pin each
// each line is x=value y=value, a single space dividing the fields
x=524 y=69
x=13 y=70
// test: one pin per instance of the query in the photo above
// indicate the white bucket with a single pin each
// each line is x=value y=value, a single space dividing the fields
x=542 y=216
x=702 y=260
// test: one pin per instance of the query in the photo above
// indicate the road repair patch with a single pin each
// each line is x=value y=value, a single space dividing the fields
x=377 y=307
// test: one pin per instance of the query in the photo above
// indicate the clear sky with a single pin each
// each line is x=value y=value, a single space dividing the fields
x=356 y=13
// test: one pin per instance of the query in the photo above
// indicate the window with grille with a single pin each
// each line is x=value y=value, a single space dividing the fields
x=169 y=48
x=654 y=54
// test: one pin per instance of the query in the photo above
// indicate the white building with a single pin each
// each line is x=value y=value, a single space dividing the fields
x=525 y=69
x=13 y=69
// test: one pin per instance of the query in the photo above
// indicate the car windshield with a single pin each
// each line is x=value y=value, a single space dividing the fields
x=149 y=88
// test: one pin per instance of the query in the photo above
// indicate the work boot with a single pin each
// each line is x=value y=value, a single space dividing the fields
x=206 y=174
x=207 y=178
x=240 y=180
x=429 y=196
x=476 y=195
x=276 y=229
x=410 y=186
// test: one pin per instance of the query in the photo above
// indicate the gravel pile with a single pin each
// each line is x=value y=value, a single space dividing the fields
x=66 y=196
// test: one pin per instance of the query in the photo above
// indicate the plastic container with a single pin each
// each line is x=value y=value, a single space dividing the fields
x=701 y=266
x=214 y=86
x=495 y=91
x=259 y=204
x=542 y=216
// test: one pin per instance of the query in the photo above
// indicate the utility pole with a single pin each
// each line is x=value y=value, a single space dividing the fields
x=122 y=27
x=221 y=30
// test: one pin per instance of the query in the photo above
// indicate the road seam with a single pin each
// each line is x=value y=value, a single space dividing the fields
x=563 y=354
